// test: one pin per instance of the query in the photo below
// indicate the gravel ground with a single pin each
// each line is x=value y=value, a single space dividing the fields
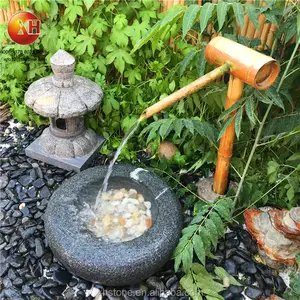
x=28 y=269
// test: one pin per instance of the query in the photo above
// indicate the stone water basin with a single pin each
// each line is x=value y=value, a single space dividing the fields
x=109 y=263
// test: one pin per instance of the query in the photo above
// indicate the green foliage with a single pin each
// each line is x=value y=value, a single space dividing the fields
x=202 y=233
x=293 y=293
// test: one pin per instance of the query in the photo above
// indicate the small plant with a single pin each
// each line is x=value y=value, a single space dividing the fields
x=293 y=293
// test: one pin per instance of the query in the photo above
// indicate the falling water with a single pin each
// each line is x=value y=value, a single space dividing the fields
x=111 y=164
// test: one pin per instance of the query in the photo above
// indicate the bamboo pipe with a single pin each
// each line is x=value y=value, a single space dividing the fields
x=234 y=93
x=183 y=92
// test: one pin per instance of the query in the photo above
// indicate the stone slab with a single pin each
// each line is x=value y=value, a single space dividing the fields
x=77 y=164
x=108 y=263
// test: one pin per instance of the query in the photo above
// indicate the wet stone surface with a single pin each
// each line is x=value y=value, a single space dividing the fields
x=29 y=271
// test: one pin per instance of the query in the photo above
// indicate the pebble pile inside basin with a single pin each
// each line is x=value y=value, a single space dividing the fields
x=122 y=215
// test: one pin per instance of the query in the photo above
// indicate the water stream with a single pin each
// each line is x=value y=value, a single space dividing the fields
x=111 y=164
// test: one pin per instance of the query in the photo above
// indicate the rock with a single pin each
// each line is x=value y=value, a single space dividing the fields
x=3 y=268
x=232 y=243
x=62 y=276
x=17 y=214
x=154 y=283
x=249 y=280
x=26 y=290
x=238 y=297
x=230 y=267
x=39 y=248
x=16 y=261
x=8 y=222
x=46 y=260
x=253 y=292
x=3 y=181
x=25 y=180
x=18 y=282
x=25 y=211
x=11 y=184
x=32 y=192
x=44 y=192
x=279 y=285
x=57 y=291
x=234 y=289
x=227 y=295
x=167 y=149
x=248 y=268
x=39 y=183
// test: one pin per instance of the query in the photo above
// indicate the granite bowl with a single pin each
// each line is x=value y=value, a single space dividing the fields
x=108 y=263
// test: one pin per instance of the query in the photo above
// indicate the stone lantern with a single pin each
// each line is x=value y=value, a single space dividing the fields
x=64 y=98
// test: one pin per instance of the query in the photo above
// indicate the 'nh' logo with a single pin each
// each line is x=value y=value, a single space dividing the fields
x=24 y=28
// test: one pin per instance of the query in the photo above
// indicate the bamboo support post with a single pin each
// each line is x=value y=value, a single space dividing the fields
x=234 y=93
x=183 y=92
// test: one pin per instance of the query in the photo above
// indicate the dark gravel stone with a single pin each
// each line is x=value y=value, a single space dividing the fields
x=11 y=274
x=7 y=283
x=2 y=214
x=279 y=285
x=26 y=290
x=3 y=203
x=25 y=180
x=11 y=184
x=44 y=192
x=238 y=297
x=50 y=283
x=238 y=260
x=264 y=270
x=3 y=268
x=227 y=295
x=248 y=268
x=73 y=282
x=269 y=281
x=17 y=214
x=39 y=183
x=234 y=289
x=32 y=192
x=18 y=282
x=62 y=276
x=249 y=280
x=84 y=285
x=16 y=261
x=155 y=284
x=40 y=282
x=25 y=211
x=39 y=248
x=3 y=181
x=232 y=243
x=230 y=267
x=253 y=292
x=8 y=222
x=57 y=291
x=246 y=255
x=46 y=260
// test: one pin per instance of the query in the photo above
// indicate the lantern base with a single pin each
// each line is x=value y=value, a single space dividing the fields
x=77 y=164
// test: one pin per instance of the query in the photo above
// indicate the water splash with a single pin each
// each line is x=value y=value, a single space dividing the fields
x=111 y=164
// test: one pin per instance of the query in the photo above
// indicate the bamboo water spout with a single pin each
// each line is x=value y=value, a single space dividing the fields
x=245 y=65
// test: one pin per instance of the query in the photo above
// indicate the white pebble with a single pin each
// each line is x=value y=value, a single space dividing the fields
x=147 y=204
x=95 y=292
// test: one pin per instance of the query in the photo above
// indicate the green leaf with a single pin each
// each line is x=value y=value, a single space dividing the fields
x=218 y=222
x=298 y=23
x=177 y=126
x=239 y=13
x=72 y=11
x=221 y=273
x=88 y=3
x=173 y=16
x=188 y=284
x=199 y=248
x=189 y=18
x=223 y=210
x=189 y=125
x=165 y=128
x=201 y=62
x=213 y=232
x=186 y=61
x=250 y=107
x=205 y=235
x=205 y=15
x=221 y=13
x=147 y=37
x=272 y=171
x=251 y=11
x=212 y=293
x=238 y=122
x=227 y=123
x=275 y=97
x=187 y=257
x=231 y=109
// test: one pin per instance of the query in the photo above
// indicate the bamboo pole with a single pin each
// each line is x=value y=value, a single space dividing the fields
x=270 y=38
x=183 y=92
x=264 y=35
x=234 y=93
x=2 y=19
